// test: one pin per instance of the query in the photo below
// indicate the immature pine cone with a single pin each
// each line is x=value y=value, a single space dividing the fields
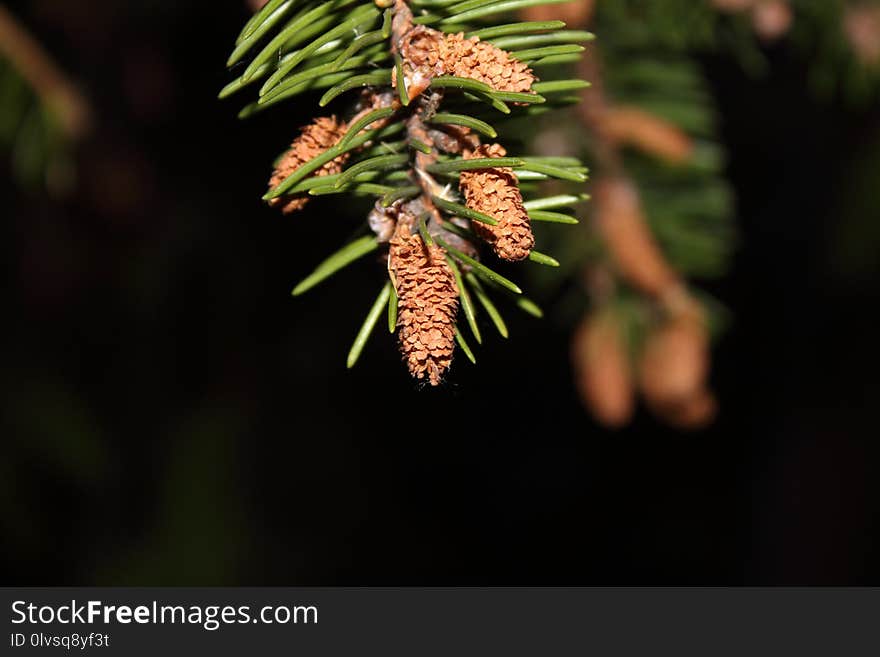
x=603 y=374
x=427 y=303
x=674 y=362
x=651 y=134
x=621 y=224
x=433 y=53
x=323 y=133
x=495 y=192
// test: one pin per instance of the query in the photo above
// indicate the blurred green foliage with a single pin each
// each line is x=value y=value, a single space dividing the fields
x=38 y=153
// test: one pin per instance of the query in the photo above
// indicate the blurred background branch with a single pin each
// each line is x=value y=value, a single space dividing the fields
x=44 y=114
x=34 y=64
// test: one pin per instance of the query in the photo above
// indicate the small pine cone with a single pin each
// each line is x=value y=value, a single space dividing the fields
x=427 y=303
x=495 y=192
x=483 y=61
x=620 y=222
x=772 y=19
x=861 y=25
x=429 y=53
x=674 y=362
x=647 y=132
x=323 y=133
x=603 y=375
x=694 y=413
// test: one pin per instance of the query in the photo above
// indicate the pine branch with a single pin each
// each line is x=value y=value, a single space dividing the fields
x=444 y=64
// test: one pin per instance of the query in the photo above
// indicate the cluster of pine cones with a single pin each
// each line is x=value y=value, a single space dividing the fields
x=426 y=288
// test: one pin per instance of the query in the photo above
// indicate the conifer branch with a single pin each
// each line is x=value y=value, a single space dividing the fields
x=440 y=192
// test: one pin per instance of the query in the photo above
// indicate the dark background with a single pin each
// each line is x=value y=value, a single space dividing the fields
x=171 y=416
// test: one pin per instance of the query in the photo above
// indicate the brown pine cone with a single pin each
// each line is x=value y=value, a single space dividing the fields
x=621 y=224
x=772 y=19
x=647 y=132
x=315 y=138
x=495 y=192
x=674 y=362
x=693 y=413
x=861 y=25
x=429 y=53
x=602 y=369
x=427 y=303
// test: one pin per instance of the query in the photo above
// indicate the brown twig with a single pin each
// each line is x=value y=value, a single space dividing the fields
x=35 y=65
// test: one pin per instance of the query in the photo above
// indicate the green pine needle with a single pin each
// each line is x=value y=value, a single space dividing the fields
x=543 y=259
x=363 y=17
x=250 y=37
x=420 y=146
x=459 y=338
x=517 y=97
x=463 y=233
x=399 y=194
x=423 y=231
x=459 y=119
x=378 y=163
x=466 y=84
x=463 y=211
x=556 y=60
x=554 y=202
x=392 y=310
x=461 y=164
x=260 y=17
x=402 y=91
x=361 y=42
x=467 y=304
x=553 y=171
x=365 y=121
x=487 y=304
x=369 y=324
x=339 y=260
x=303 y=26
x=535 y=40
x=316 y=83
x=373 y=79
x=552 y=217
x=329 y=181
x=529 y=307
x=481 y=269
x=488 y=33
x=370 y=189
x=490 y=98
x=548 y=51
x=387 y=22
x=559 y=86
x=483 y=9
x=282 y=90
x=426 y=19
x=330 y=154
